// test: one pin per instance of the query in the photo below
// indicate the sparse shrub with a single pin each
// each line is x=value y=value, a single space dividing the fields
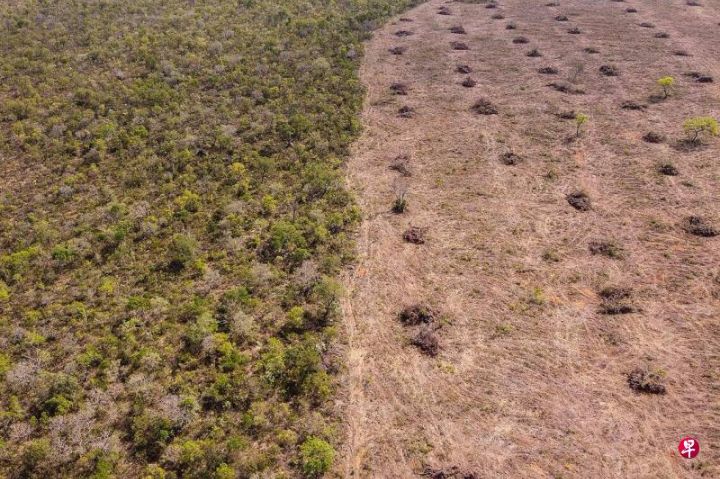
x=400 y=203
x=666 y=83
x=700 y=126
x=316 y=457
x=580 y=120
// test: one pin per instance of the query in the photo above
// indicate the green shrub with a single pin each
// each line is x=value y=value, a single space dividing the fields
x=316 y=457
x=183 y=250
x=703 y=125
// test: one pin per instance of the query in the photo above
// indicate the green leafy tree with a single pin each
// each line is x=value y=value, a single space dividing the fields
x=702 y=125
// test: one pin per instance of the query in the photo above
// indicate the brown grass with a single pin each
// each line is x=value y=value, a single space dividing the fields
x=532 y=380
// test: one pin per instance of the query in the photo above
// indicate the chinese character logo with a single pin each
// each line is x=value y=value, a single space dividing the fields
x=689 y=447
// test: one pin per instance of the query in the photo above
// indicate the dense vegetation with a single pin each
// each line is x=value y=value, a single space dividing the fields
x=172 y=218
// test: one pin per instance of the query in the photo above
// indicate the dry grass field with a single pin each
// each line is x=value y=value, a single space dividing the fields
x=544 y=310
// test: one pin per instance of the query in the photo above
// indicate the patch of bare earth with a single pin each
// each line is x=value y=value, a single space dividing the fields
x=533 y=376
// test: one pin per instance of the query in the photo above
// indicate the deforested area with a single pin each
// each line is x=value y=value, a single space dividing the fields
x=537 y=290
x=173 y=219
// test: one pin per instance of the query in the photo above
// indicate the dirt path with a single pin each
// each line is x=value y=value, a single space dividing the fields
x=531 y=380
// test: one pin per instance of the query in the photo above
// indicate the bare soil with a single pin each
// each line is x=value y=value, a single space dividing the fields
x=532 y=378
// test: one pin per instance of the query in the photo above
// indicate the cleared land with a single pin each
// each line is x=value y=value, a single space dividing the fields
x=536 y=349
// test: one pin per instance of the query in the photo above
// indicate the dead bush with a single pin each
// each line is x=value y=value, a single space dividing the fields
x=667 y=169
x=443 y=10
x=468 y=82
x=564 y=87
x=647 y=25
x=397 y=50
x=418 y=314
x=458 y=29
x=427 y=341
x=579 y=200
x=644 y=381
x=459 y=46
x=662 y=35
x=548 y=71
x=403 y=33
x=520 y=40
x=609 y=70
x=631 y=105
x=510 y=159
x=399 y=89
x=653 y=137
x=484 y=107
x=463 y=69
x=562 y=18
x=534 y=53
x=591 y=50
x=611 y=249
x=574 y=31
x=415 y=235
x=406 y=112
x=401 y=164
x=699 y=226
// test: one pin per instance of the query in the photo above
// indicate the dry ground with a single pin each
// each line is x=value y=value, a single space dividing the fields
x=531 y=380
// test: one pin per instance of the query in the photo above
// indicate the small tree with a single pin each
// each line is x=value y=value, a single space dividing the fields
x=702 y=125
x=667 y=84
x=316 y=457
x=580 y=120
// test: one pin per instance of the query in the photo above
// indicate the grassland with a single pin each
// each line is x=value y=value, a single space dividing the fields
x=172 y=222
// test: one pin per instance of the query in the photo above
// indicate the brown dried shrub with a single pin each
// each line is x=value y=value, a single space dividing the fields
x=418 y=314
x=644 y=381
